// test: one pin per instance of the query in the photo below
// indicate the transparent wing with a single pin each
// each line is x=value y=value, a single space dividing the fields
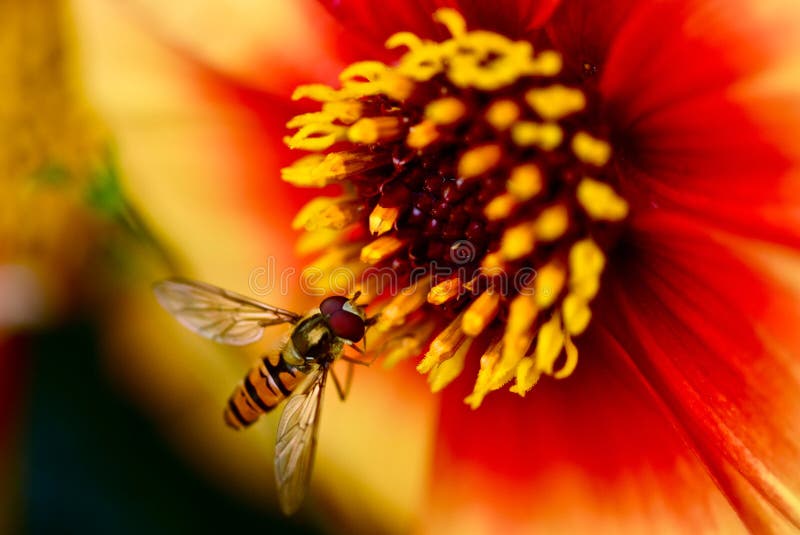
x=297 y=441
x=218 y=314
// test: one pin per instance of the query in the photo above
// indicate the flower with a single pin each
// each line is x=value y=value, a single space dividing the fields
x=680 y=120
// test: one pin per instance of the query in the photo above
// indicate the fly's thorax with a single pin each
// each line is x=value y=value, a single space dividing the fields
x=311 y=341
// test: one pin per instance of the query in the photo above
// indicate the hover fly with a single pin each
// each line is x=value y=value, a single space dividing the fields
x=317 y=339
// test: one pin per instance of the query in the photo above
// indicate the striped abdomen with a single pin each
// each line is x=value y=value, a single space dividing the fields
x=265 y=386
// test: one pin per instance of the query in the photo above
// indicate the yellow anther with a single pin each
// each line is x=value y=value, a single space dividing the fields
x=576 y=314
x=591 y=150
x=452 y=20
x=382 y=219
x=421 y=64
x=380 y=249
x=480 y=313
x=317 y=171
x=601 y=201
x=493 y=261
x=311 y=210
x=547 y=63
x=447 y=371
x=518 y=241
x=552 y=223
x=549 y=344
x=548 y=136
x=483 y=381
x=422 y=135
x=500 y=207
x=310 y=118
x=316 y=136
x=555 y=102
x=373 y=129
x=548 y=283
x=501 y=114
x=363 y=70
x=572 y=359
x=525 y=181
x=319 y=93
x=445 y=110
x=586 y=263
x=406 y=39
x=444 y=291
x=347 y=111
x=408 y=344
x=527 y=376
x=519 y=332
x=316 y=242
x=403 y=304
x=475 y=162
x=443 y=346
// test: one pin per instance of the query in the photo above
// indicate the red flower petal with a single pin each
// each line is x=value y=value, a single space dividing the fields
x=700 y=96
x=377 y=21
x=718 y=340
x=590 y=454
x=585 y=29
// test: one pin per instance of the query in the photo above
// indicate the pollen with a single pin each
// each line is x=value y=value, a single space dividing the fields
x=477 y=174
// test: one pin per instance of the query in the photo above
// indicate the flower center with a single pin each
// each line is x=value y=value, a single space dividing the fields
x=478 y=172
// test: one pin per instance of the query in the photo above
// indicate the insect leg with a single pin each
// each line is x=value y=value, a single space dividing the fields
x=348 y=382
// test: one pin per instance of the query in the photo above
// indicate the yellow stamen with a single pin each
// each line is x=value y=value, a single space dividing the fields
x=314 y=242
x=601 y=201
x=310 y=118
x=374 y=129
x=422 y=135
x=549 y=344
x=447 y=371
x=336 y=216
x=591 y=150
x=525 y=181
x=480 y=313
x=519 y=333
x=408 y=344
x=311 y=210
x=382 y=219
x=319 y=93
x=347 y=111
x=502 y=114
x=547 y=63
x=586 y=263
x=576 y=314
x=316 y=136
x=500 y=207
x=547 y=136
x=452 y=20
x=476 y=162
x=380 y=249
x=482 y=382
x=445 y=110
x=527 y=376
x=493 y=262
x=552 y=223
x=518 y=241
x=443 y=346
x=555 y=102
x=406 y=39
x=444 y=291
x=548 y=283
x=403 y=304
x=316 y=171
x=572 y=359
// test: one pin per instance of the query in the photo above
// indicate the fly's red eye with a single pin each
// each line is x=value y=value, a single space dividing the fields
x=332 y=304
x=346 y=325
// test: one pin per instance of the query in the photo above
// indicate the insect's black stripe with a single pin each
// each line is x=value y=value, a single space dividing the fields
x=275 y=371
x=253 y=393
x=236 y=414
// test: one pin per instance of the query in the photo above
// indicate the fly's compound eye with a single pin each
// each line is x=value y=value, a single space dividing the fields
x=332 y=304
x=346 y=325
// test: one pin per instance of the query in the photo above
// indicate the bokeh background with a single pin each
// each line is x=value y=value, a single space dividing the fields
x=125 y=159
